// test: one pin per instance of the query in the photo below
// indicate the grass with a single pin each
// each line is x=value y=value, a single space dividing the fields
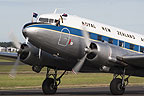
x=26 y=78
x=5 y=59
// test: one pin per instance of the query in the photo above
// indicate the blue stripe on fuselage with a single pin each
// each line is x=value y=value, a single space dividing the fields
x=58 y=28
x=78 y=32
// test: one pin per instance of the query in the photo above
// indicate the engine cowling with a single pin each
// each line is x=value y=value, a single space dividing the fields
x=29 y=54
x=101 y=53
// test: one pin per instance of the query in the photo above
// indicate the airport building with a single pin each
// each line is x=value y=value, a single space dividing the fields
x=8 y=49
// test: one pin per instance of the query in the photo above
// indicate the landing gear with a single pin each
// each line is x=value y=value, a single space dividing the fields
x=117 y=85
x=50 y=85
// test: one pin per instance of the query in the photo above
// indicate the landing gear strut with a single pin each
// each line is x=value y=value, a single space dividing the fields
x=117 y=85
x=50 y=85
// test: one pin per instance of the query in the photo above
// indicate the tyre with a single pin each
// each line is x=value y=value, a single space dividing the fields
x=48 y=86
x=116 y=87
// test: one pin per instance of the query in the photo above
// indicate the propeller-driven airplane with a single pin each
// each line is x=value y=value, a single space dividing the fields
x=71 y=43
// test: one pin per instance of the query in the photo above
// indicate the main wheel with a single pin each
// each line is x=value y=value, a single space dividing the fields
x=116 y=87
x=48 y=86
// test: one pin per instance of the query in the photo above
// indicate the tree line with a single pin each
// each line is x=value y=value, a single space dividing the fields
x=6 y=44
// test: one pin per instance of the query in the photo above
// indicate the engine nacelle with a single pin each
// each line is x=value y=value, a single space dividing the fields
x=29 y=54
x=102 y=52
x=99 y=54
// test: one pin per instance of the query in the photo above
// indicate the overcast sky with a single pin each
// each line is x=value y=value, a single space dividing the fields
x=125 y=14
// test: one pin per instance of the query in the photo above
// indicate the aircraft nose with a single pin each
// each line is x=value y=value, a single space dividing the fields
x=24 y=32
x=29 y=31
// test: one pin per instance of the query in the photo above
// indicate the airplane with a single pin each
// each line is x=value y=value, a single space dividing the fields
x=72 y=43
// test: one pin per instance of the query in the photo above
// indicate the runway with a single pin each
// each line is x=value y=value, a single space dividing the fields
x=97 y=91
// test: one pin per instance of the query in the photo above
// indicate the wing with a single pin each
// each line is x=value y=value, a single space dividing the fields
x=8 y=55
x=135 y=60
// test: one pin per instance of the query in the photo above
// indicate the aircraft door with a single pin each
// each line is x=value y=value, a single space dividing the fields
x=64 y=37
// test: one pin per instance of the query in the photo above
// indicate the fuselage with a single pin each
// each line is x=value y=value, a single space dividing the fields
x=62 y=36
x=71 y=43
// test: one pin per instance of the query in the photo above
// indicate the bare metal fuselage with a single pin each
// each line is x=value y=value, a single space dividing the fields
x=60 y=42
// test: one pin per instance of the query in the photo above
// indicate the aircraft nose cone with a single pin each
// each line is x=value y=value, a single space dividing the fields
x=28 y=32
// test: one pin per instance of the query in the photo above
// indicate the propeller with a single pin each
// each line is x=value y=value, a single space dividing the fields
x=16 y=43
x=13 y=71
x=78 y=66
x=15 y=40
x=86 y=37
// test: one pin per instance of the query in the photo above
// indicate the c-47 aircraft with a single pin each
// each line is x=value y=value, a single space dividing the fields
x=71 y=43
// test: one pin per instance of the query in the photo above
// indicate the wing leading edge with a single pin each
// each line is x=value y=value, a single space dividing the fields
x=8 y=55
x=135 y=60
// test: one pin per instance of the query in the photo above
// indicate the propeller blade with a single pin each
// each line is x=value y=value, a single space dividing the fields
x=15 y=40
x=78 y=66
x=14 y=69
x=86 y=37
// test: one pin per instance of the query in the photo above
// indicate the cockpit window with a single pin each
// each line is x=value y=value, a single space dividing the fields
x=43 y=19
x=48 y=20
x=51 y=20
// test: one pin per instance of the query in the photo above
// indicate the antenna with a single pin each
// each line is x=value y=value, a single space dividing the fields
x=55 y=10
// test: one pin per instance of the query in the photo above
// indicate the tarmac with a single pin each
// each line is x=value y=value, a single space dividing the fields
x=95 y=91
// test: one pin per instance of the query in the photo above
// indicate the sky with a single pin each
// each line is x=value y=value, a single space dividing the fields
x=124 y=14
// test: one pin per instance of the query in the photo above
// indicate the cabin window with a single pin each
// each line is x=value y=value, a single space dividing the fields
x=43 y=19
x=142 y=49
x=121 y=44
x=110 y=41
x=131 y=46
x=99 y=37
